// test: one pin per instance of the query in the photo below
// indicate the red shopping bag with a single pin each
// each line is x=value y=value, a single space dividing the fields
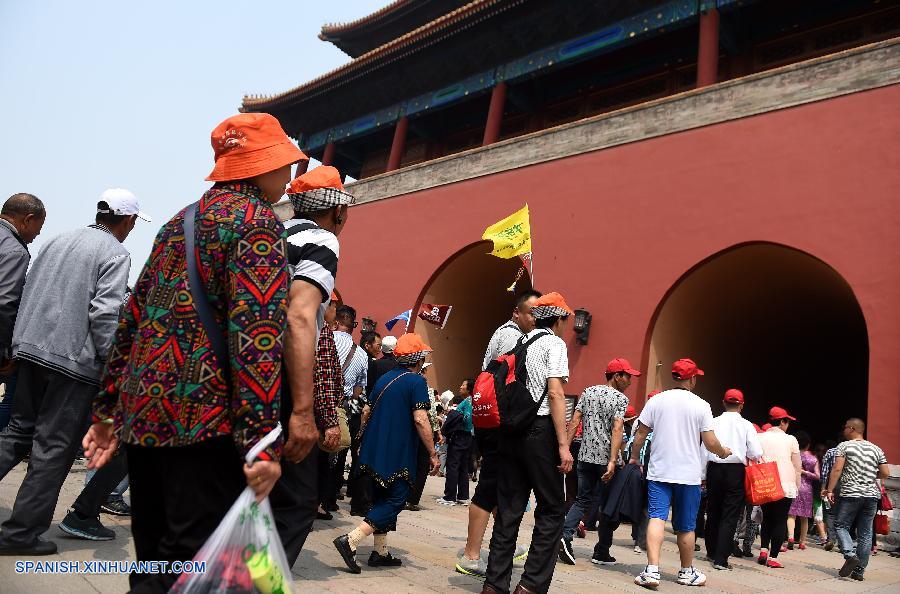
x=882 y=524
x=762 y=483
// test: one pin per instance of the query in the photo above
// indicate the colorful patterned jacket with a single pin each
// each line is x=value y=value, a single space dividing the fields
x=162 y=383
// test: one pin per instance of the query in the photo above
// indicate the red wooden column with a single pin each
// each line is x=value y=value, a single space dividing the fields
x=708 y=52
x=399 y=144
x=328 y=156
x=495 y=114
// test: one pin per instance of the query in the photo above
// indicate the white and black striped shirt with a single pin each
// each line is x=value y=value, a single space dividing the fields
x=504 y=340
x=313 y=257
x=861 y=461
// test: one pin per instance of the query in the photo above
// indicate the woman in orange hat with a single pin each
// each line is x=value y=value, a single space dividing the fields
x=395 y=425
x=192 y=395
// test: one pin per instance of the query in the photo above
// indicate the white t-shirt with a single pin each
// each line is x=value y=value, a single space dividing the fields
x=504 y=340
x=676 y=417
x=546 y=357
x=779 y=447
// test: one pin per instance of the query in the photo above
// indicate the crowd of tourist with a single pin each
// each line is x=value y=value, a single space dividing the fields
x=234 y=327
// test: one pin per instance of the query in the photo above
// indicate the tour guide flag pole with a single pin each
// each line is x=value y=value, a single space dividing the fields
x=512 y=237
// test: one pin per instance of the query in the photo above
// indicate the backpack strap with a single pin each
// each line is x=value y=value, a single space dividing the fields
x=374 y=403
x=198 y=294
x=349 y=358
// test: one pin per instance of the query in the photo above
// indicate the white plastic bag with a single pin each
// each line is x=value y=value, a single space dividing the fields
x=756 y=515
x=244 y=555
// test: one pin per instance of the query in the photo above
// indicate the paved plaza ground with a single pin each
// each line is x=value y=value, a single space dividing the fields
x=428 y=542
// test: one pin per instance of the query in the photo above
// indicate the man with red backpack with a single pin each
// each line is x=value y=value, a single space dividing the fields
x=534 y=450
x=484 y=501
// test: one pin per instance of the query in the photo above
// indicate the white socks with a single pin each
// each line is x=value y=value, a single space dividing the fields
x=653 y=568
x=381 y=544
x=355 y=537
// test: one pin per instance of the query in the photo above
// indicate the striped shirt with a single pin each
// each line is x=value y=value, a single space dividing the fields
x=313 y=257
x=861 y=461
x=546 y=357
x=356 y=372
x=503 y=341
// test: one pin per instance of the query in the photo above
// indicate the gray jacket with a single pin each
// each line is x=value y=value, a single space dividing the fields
x=14 y=258
x=70 y=306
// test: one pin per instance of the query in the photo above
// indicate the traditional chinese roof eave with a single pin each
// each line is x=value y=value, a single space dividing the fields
x=415 y=40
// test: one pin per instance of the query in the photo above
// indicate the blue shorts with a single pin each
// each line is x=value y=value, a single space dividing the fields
x=683 y=499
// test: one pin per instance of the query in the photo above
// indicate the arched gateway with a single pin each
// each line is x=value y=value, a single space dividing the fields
x=773 y=321
x=475 y=283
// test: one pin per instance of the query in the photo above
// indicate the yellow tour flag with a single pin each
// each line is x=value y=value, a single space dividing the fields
x=511 y=236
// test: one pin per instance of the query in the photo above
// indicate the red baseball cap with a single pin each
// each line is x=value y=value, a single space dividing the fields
x=766 y=427
x=630 y=412
x=758 y=428
x=734 y=396
x=776 y=413
x=685 y=369
x=620 y=365
x=653 y=393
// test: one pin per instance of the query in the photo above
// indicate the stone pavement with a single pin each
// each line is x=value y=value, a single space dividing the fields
x=428 y=542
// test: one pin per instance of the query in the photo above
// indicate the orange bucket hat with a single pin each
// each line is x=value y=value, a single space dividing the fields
x=250 y=144
x=551 y=305
x=319 y=189
x=410 y=349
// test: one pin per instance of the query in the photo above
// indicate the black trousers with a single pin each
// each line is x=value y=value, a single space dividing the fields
x=50 y=416
x=724 y=504
x=295 y=499
x=456 y=485
x=528 y=463
x=178 y=497
x=774 y=525
x=423 y=464
x=97 y=491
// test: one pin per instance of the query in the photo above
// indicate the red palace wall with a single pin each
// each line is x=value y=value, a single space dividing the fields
x=614 y=229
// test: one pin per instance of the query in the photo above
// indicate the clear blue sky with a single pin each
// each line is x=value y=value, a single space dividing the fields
x=100 y=94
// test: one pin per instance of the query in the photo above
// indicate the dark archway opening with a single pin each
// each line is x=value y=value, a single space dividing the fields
x=777 y=323
x=475 y=283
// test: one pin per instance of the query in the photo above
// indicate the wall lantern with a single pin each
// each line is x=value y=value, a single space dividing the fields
x=582 y=325
x=368 y=325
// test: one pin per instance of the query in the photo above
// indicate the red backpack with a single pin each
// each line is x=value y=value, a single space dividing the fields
x=501 y=398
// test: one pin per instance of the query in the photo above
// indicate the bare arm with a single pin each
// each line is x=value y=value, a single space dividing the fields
x=798 y=467
x=640 y=436
x=617 y=433
x=713 y=445
x=423 y=427
x=557 y=398
x=300 y=355
x=573 y=426
x=883 y=471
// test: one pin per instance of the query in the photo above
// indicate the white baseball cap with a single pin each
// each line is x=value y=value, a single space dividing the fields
x=122 y=202
x=388 y=343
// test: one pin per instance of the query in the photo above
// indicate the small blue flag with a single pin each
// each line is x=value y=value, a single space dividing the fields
x=404 y=317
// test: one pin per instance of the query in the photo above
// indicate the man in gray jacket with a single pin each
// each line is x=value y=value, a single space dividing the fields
x=64 y=330
x=21 y=220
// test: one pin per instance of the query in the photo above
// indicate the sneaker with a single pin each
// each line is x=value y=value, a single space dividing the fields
x=581 y=531
x=722 y=566
x=857 y=575
x=850 y=563
x=829 y=545
x=648 y=579
x=763 y=557
x=783 y=549
x=40 y=547
x=412 y=507
x=790 y=544
x=774 y=564
x=462 y=502
x=746 y=552
x=474 y=567
x=606 y=559
x=802 y=546
x=566 y=554
x=736 y=549
x=446 y=502
x=691 y=577
x=696 y=547
x=86 y=528
x=638 y=550
x=376 y=559
x=520 y=556
x=116 y=508
x=342 y=544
